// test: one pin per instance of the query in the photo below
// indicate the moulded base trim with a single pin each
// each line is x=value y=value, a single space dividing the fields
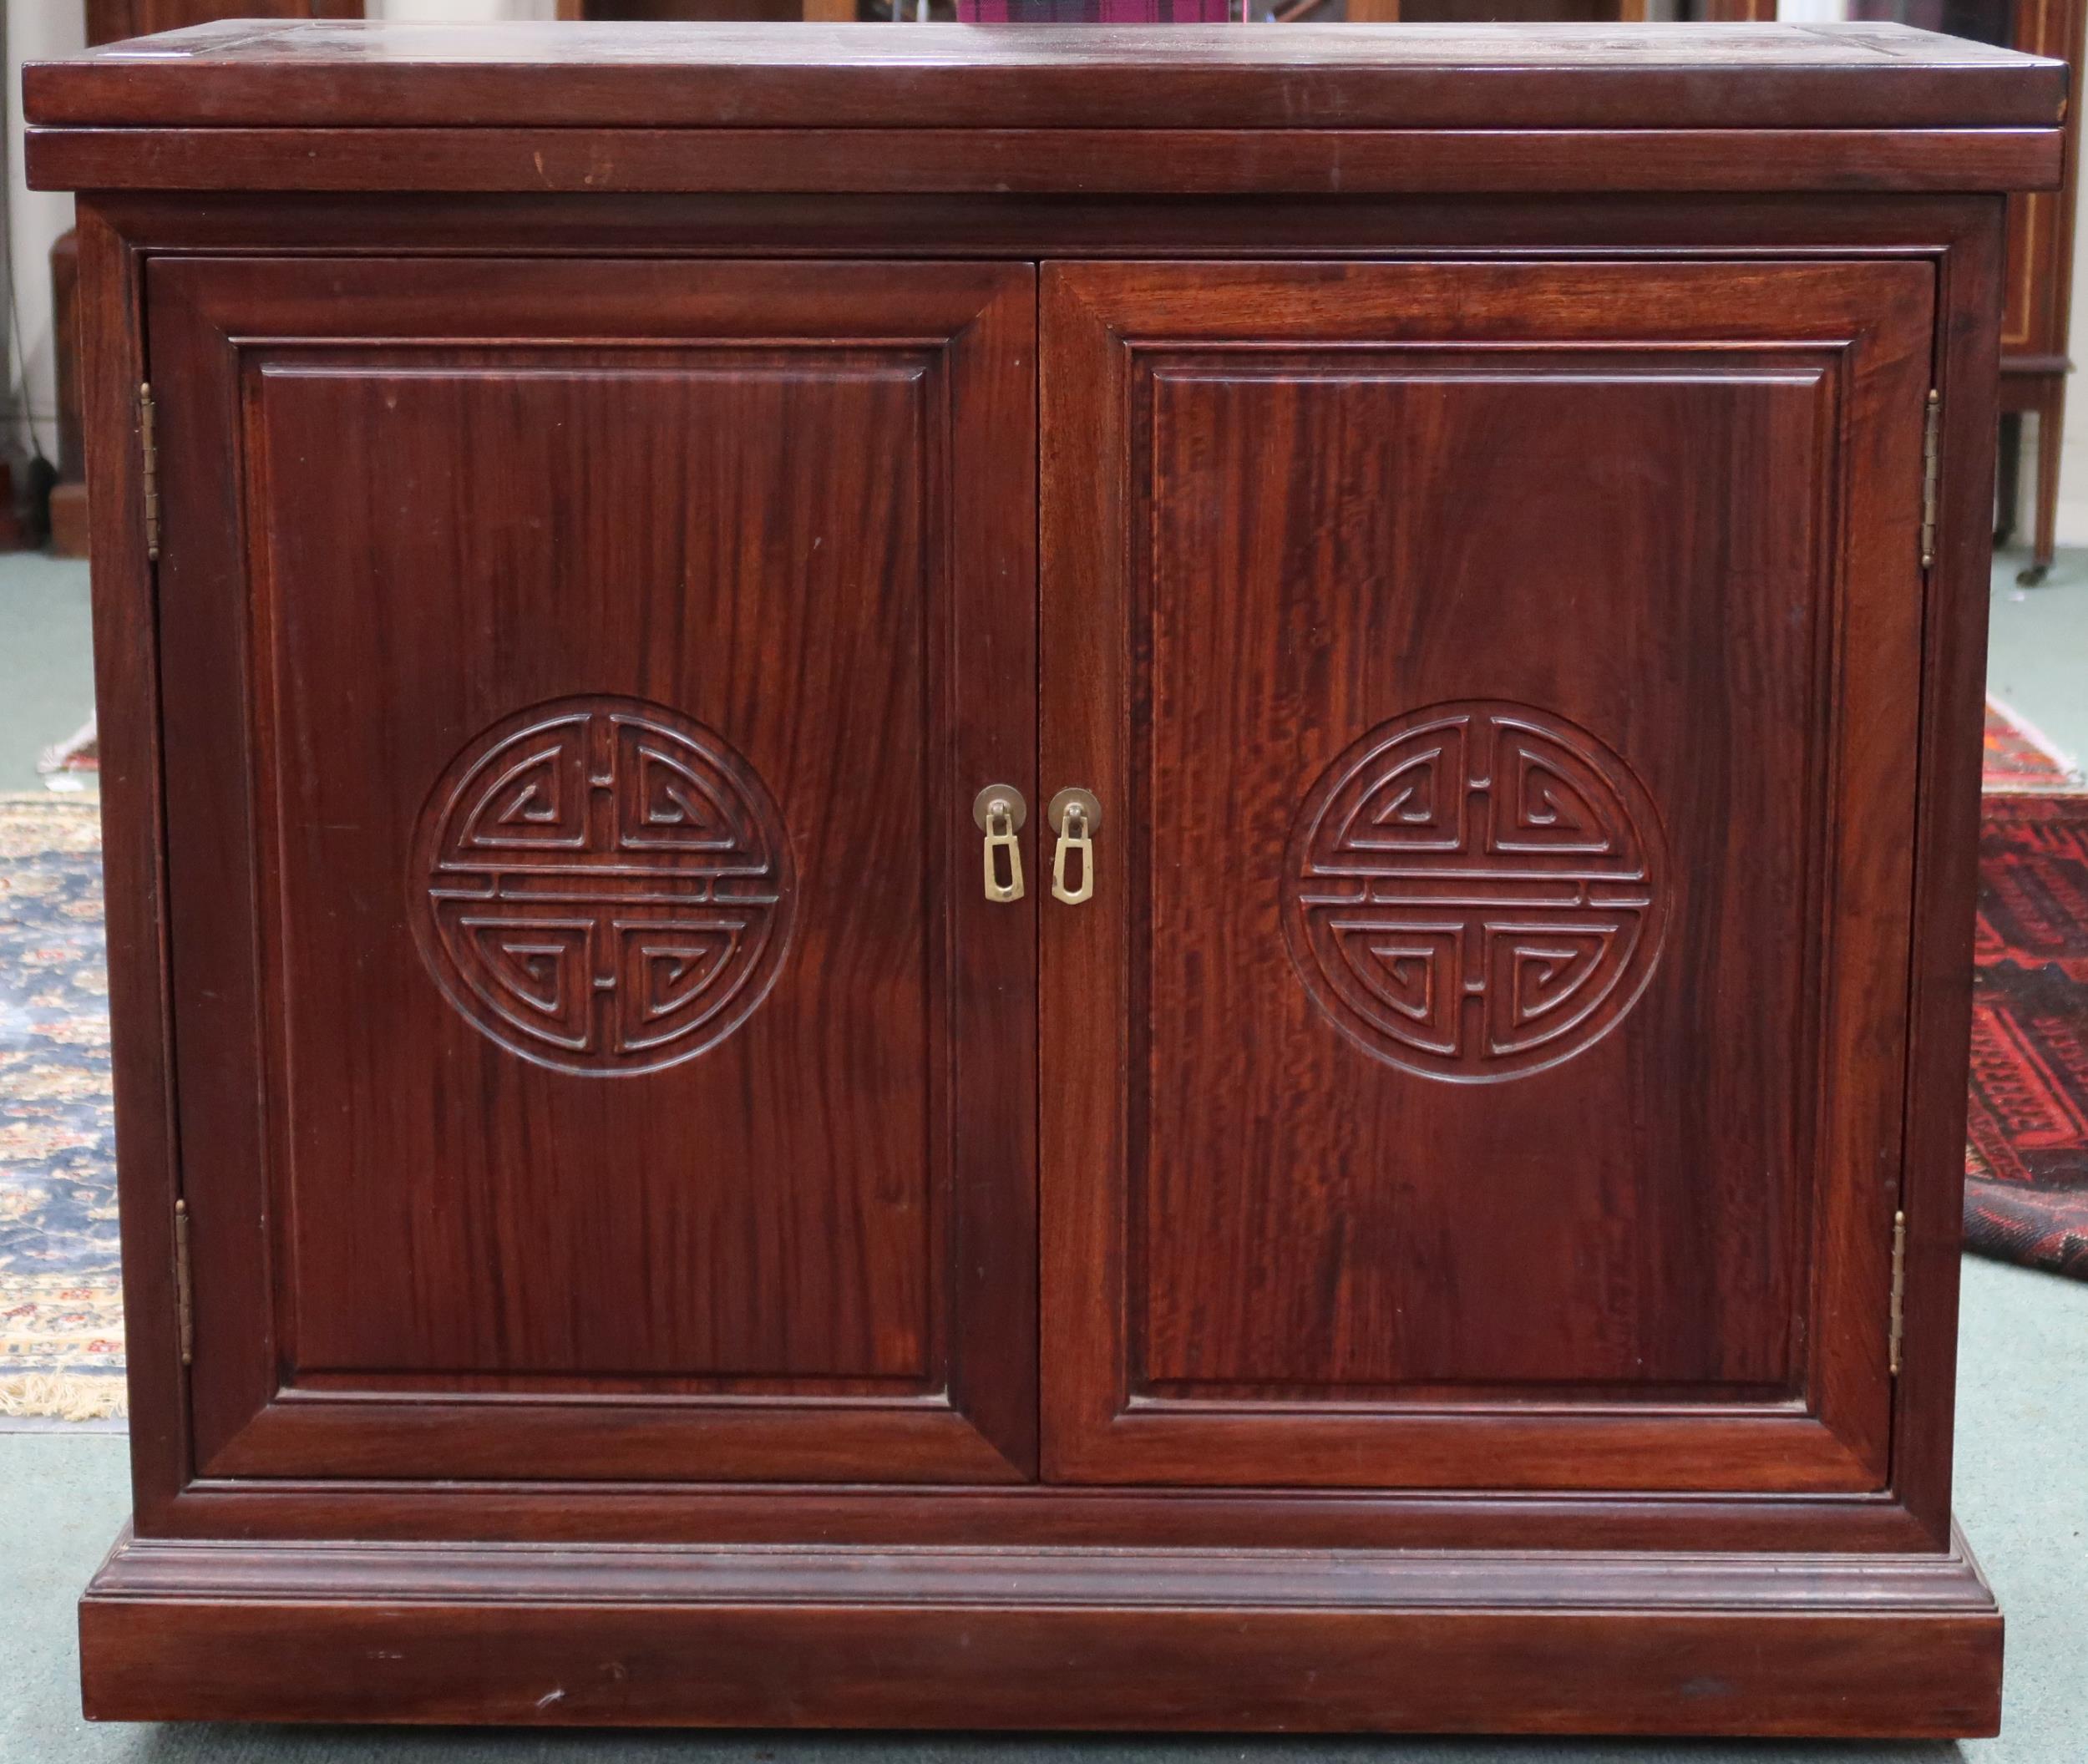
x=1535 y=1641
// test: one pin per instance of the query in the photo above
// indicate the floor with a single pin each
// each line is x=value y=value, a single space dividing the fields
x=46 y=669
x=2037 y=652
x=2022 y=1443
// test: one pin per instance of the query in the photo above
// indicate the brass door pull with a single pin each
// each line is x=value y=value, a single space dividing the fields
x=999 y=811
x=1076 y=817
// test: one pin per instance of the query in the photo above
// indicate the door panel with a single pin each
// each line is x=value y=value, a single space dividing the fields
x=1480 y=1064
x=580 y=673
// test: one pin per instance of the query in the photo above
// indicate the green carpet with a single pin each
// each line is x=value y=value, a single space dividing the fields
x=2037 y=656
x=47 y=668
x=2022 y=1493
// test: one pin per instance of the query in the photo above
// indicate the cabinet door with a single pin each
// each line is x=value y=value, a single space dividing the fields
x=1480 y=1064
x=597 y=1057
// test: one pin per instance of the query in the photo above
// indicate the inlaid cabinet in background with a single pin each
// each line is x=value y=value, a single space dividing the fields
x=1045 y=878
x=2037 y=304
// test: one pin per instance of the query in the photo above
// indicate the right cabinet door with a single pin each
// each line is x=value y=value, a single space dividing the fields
x=1480 y=1063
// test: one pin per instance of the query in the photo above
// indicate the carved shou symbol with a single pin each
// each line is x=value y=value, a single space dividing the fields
x=602 y=885
x=1476 y=891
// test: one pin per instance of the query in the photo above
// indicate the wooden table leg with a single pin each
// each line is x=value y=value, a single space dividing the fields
x=2051 y=411
x=2008 y=487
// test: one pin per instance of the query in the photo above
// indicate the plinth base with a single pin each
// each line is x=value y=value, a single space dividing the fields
x=1848 y=1646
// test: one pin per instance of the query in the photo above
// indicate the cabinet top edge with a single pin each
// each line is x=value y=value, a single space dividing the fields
x=301 y=74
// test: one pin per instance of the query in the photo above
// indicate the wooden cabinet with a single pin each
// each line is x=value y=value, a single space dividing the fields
x=2038 y=314
x=1147 y=866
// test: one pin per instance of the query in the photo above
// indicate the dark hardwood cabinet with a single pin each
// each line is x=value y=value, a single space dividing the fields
x=1043 y=878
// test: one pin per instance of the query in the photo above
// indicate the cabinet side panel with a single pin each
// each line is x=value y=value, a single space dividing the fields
x=1946 y=872
x=127 y=699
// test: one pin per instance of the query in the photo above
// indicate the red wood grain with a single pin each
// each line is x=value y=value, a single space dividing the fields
x=1100 y=161
x=778 y=1269
x=943 y=76
x=1300 y=1243
x=1548 y=1643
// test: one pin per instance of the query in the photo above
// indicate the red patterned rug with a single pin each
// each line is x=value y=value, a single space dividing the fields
x=2021 y=758
x=2027 y=1169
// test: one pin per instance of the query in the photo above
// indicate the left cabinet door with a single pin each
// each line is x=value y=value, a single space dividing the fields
x=596 y=1056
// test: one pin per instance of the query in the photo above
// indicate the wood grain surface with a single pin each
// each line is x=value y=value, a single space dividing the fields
x=394 y=73
x=542 y=489
x=1206 y=162
x=1546 y=1643
x=1322 y=1264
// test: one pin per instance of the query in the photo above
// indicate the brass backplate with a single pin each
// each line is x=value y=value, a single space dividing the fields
x=982 y=807
x=1075 y=797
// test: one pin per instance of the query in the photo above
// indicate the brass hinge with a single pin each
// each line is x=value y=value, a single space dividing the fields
x=151 y=448
x=185 y=1309
x=1930 y=472
x=1898 y=1324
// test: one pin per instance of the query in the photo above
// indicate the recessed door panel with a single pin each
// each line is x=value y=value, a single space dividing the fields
x=563 y=676
x=1480 y=1063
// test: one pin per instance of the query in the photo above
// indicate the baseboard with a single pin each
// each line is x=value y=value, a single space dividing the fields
x=1845 y=1646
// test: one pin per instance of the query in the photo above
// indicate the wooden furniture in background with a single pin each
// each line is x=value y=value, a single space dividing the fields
x=970 y=879
x=69 y=527
x=2034 y=363
x=694 y=11
x=1475 y=11
x=110 y=21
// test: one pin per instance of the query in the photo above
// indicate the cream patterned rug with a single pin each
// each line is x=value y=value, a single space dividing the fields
x=61 y=1305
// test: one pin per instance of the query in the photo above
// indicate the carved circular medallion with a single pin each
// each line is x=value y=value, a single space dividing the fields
x=602 y=885
x=1476 y=891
